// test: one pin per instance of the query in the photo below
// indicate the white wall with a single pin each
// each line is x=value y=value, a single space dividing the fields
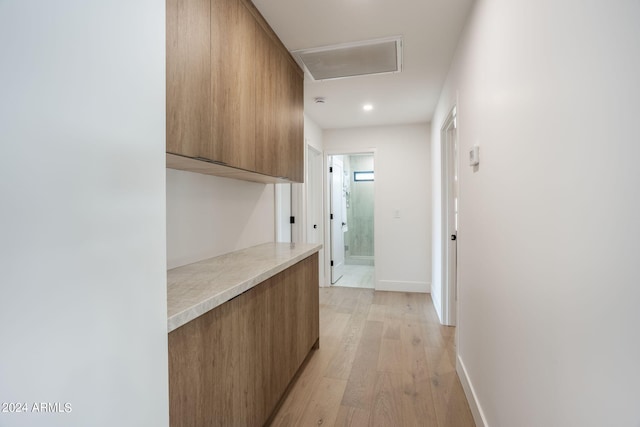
x=313 y=134
x=549 y=233
x=209 y=216
x=83 y=314
x=403 y=183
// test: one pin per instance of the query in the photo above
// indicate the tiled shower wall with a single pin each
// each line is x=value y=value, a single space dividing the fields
x=359 y=237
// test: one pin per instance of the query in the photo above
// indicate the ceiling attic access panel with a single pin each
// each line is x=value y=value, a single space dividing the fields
x=378 y=56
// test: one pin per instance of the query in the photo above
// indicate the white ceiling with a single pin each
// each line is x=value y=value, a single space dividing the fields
x=430 y=30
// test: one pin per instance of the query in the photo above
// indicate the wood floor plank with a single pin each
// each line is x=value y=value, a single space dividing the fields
x=452 y=409
x=417 y=400
x=324 y=403
x=435 y=336
x=361 y=382
x=391 y=330
x=413 y=308
x=340 y=366
x=377 y=312
x=349 y=416
x=365 y=299
x=450 y=404
x=387 y=403
x=347 y=304
x=390 y=356
x=394 y=302
x=380 y=298
x=384 y=360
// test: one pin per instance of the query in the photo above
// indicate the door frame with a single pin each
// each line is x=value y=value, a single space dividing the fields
x=327 y=208
x=291 y=199
x=283 y=210
x=308 y=194
x=447 y=158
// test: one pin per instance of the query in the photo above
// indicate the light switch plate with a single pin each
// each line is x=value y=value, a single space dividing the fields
x=474 y=156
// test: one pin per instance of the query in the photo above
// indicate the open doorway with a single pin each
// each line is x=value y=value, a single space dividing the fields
x=352 y=178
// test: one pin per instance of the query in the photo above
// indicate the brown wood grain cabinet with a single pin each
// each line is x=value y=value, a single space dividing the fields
x=233 y=54
x=295 y=114
x=270 y=132
x=234 y=93
x=189 y=105
x=279 y=147
x=232 y=365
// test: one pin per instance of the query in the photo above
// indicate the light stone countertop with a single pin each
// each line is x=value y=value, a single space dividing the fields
x=197 y=288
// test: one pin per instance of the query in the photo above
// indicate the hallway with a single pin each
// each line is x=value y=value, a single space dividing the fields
x=384 y=360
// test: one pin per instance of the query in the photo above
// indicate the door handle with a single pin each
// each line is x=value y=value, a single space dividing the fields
x=344 y=223
x=315 y=225
x=454 y=237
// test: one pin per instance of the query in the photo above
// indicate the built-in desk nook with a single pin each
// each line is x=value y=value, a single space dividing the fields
x=240 y=327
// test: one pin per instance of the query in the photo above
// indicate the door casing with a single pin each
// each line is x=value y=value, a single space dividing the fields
x=327 y=195
x=449 y=168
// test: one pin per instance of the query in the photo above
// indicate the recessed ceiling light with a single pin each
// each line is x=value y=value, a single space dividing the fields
x=367 y=107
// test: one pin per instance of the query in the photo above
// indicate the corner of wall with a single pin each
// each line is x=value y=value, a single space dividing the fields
x=437 y=302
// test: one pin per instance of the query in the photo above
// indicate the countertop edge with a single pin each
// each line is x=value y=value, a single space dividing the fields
x=183 y=317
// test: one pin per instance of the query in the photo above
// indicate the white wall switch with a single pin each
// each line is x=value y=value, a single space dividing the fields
x=474 y=156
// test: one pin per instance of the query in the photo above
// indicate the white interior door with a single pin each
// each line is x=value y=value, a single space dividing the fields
x=336 y=218
x=450 y=216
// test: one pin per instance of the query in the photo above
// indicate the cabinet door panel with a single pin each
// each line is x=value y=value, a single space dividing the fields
x=233 y=84
x=188 y=77
x=268 y=100
x=279 y=115
x=295 y=120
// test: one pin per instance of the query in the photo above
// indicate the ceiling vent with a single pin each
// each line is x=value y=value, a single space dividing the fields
x=378 y=56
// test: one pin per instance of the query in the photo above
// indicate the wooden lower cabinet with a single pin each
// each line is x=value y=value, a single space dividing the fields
x=232 y=365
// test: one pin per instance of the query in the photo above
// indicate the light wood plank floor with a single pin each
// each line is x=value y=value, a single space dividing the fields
x=384 y=360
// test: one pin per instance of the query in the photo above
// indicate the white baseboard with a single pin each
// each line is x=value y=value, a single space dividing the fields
x=400 y=286
x=476 y=409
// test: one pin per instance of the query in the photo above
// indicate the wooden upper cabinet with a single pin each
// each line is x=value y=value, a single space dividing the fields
x=279 y=123
x=233 y=88
x=295 y=119
x=188 y=77
x=234 y=94
x=269 y=132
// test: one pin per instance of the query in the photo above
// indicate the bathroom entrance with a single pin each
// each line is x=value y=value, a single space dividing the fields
x=352 y=220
